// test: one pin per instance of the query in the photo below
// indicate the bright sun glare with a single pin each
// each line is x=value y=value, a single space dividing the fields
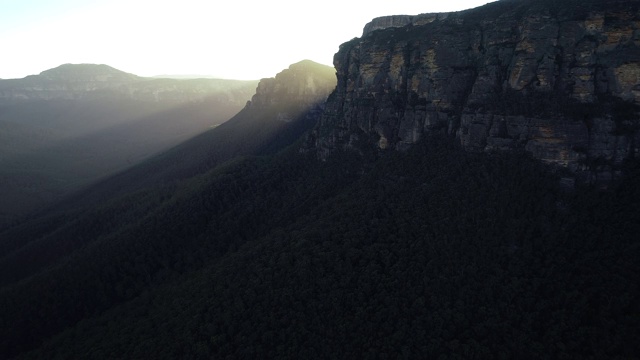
x=237 y=39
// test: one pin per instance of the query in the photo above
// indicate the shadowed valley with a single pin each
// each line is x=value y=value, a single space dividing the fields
x=72 y=125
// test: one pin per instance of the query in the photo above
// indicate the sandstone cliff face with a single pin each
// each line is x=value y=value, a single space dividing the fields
x=91 y=81
x=560 y=80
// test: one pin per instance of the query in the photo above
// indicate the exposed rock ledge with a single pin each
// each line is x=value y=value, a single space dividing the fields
x=385 y=22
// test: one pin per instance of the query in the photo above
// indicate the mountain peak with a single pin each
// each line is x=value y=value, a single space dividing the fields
x=309 y=64
x=87 y=72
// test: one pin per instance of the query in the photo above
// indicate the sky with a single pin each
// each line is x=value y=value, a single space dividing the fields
x=237 y=39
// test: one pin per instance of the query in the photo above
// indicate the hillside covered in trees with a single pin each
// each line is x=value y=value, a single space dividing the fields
x=436 y=252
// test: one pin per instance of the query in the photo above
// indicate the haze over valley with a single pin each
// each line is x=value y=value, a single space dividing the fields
x=74 y=124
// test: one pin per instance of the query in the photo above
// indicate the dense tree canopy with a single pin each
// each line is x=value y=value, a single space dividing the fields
x=430 y=253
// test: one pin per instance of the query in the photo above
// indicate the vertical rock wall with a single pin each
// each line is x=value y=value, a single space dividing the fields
x=559 y=80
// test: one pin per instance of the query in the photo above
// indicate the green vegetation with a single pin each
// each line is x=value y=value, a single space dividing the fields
x=433 y=252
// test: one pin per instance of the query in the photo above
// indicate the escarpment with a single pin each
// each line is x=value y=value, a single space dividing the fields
x=560 y=80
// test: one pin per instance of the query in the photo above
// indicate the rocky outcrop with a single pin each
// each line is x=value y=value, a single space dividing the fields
x=303 y=85
x=91 y=81
x=560 y=80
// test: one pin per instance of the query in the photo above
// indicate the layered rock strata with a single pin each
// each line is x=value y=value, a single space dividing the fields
x=560 y=80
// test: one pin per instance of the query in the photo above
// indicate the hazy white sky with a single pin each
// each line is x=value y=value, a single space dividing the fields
x=238 y=39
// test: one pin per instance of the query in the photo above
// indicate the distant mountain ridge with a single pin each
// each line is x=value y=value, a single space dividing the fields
x=87 y=73
x=99 y=81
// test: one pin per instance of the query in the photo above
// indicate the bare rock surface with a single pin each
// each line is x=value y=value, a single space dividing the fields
x=560 y=80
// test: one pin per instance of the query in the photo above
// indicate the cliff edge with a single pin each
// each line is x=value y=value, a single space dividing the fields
x=560 y=80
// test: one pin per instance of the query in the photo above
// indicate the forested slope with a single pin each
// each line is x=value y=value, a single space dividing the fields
x=433 y=252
